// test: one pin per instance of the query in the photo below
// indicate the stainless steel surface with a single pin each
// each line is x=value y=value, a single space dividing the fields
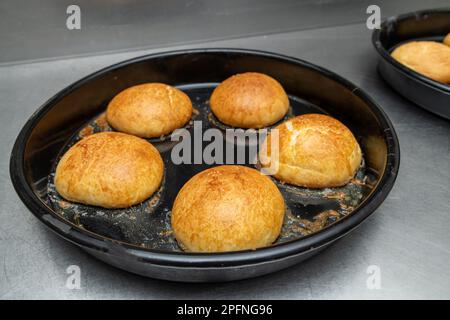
x=31 y=30
x=407 y=238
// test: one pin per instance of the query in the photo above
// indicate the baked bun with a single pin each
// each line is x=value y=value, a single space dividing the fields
x=149 y=110
x=227 y=208
x=429 y=58
x=447 y=40
x=109 y=169
x=249 y=100
x=315 y=151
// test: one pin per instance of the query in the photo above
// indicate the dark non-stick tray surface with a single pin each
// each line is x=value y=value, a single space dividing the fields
x=148 y=224
x=139 y=239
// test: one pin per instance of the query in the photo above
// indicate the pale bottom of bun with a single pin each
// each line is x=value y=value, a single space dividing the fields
x=308 y=178
x=313 y=178
x=225 y=244
x=116 y=200
x=252 y=123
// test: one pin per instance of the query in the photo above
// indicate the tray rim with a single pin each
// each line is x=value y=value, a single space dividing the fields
x=84 y=238
x=383 y=53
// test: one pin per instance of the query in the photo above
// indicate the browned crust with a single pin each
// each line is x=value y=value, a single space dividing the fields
x=447 y=40
x=429 y=58
x=109 y=169
x=315 y=151
x=249 y=100
x=149 y=110
x=227 y=208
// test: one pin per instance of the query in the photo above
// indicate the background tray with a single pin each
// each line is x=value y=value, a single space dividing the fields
x=420 y=25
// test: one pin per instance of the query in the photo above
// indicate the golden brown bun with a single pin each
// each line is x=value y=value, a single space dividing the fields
x=315 y=151
x=249 y=100
x=429 y=58
x=227 y=208
x=109 y=169
x=447 y=40
x=149 y=110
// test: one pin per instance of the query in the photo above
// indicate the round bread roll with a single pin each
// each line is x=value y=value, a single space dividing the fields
x=249 y=100
x=447 y=40
x=149 y=110
x=429 y=58
x=227 y=208
x=109 y=169
x=314 y=151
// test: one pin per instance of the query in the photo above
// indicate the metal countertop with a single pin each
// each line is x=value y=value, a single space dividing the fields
x=407 y=238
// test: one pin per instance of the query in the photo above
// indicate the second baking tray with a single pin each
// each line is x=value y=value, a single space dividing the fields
x=421 y=25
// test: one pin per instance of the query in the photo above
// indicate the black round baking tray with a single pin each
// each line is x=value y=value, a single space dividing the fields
x=420 y=25
x=50 y=128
